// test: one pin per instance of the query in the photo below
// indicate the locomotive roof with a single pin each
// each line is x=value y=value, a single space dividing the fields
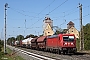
x=52 y=36
x=67 y=34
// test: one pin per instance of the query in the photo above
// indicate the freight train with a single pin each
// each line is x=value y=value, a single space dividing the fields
x=61 y=43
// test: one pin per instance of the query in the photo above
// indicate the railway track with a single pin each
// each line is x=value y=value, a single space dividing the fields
x=36 y=56
x=40 y=55
x=77 y=56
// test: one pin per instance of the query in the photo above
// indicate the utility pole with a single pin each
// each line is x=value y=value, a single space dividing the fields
x=81 y=29
x=6 y=6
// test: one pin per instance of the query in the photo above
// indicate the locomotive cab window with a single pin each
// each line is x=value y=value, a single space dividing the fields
x=68 y=38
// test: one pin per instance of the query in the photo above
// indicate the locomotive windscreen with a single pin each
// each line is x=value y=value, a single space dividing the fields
x=68 y=38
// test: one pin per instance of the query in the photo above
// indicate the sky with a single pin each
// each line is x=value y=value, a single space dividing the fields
x=26 y=17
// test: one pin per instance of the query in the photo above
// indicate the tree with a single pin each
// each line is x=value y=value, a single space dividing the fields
x=86 y=30
x=1 y=46
x=10 y=40
x=87 y=44
x=41 y=35
x=31 y=35
x=20 y=37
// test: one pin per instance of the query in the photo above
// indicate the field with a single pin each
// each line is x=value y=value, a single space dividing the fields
x=11 y=56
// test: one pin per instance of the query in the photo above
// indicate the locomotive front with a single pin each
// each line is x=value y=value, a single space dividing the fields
x=69 y=43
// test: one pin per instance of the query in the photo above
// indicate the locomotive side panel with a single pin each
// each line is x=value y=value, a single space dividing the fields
x=52 y=42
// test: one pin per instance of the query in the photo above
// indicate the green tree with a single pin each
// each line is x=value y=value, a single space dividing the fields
x=31 y=35
x=86 y=30
x=20 y=37
x=1 y=46
x=10 y=40
x=41 y=35
x=87 y=44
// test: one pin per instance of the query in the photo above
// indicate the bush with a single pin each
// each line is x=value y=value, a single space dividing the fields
x=78 y=44
x=1 y=55
x=1 y=46
x=87 y=44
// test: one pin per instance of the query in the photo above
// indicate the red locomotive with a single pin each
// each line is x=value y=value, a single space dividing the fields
x=65 y=43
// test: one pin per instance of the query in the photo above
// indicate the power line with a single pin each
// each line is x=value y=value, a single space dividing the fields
x=49 y=12
x=46 y=7
x=21 y=13
x=49 y=4
x=67 y=15
x=52 y=10
x=32 y=16
x=37 y=14
x=42 y=11
x=75 y=19
x=74 y=11
x=58 y=6
x=37 y=21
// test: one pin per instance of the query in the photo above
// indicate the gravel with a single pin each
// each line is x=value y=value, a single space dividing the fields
x=78 y=56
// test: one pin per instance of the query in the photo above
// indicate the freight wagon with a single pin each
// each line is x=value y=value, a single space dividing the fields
x=41 y=42
x=34 y=43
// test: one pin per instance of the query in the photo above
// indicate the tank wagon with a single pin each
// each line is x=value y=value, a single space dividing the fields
x=24 y=43
x=29 y=42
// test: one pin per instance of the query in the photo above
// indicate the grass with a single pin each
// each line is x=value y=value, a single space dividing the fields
x=11 y=56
